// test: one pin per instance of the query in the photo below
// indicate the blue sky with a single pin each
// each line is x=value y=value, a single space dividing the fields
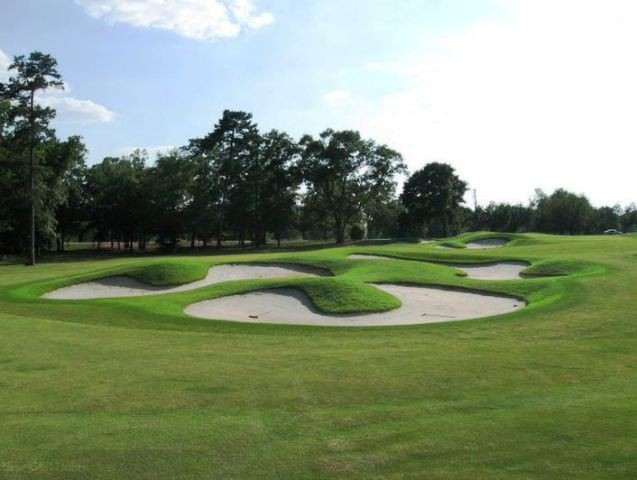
x=515 y=94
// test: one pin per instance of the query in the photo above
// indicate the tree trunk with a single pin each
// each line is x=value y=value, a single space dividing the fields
x=31 y=259
x=445 y=228
x=192 y=240
x=339 y=229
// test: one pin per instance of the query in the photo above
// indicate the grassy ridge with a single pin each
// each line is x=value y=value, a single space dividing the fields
x=132 y=388
x=176 y=272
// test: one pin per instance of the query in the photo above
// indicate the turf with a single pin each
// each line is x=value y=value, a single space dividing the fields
x=132 y=388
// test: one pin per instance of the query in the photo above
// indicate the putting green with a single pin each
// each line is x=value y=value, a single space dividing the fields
x=134 y=388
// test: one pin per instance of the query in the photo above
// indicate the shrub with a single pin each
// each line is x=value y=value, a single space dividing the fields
x=356 y=232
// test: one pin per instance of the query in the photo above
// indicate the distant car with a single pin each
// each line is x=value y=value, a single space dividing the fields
x=612 y=231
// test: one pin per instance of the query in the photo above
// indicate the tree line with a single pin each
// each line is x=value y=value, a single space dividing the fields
x=236 y=183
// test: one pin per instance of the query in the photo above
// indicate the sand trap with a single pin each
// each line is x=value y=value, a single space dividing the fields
x=419 y=305
x=492 y=271
x=481 y=244
x=120 y=286
x=488 y=243
x=363 y=256
x=488 y=271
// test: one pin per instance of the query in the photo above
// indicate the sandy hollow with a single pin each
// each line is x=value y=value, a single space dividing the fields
x=487 y=243
x=484 y=271
x=419 y=305
x=120 y=286
x=481 y=244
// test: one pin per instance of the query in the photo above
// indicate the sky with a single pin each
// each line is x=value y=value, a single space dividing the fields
x=514 y=94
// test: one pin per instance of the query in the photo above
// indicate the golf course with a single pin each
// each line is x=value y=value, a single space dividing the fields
x=145 y=381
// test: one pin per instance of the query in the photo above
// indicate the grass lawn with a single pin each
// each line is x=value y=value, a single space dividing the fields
x=133 y=388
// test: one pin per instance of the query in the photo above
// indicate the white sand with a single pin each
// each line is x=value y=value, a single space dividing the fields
x=419 y=305
x=363 y=256
x=481 y=244
x=492 y=271
x=120 y=286
x=488 y=243
x=489 y=271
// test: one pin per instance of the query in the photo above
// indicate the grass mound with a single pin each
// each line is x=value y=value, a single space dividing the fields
x=555 y=268
x=453 y=244
x=343 y=296
x=165 y=274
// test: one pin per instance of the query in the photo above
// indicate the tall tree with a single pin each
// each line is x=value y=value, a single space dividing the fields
x=281 y=179
x=231 y=149
x=348 y=174
x=564 y=212
x=33 y=74
x=433 y=193
x=118 y=198
x=169 y=181
x=629 y=218
x=66 y=189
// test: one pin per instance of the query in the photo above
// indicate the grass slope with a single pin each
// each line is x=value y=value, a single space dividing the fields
x=132 y=388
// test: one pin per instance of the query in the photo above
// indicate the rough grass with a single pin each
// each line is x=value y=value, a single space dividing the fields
x=132 y=388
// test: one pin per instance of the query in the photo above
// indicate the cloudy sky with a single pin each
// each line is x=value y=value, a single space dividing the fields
x=515 y=94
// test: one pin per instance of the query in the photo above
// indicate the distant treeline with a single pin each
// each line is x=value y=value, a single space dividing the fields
x=238 y=183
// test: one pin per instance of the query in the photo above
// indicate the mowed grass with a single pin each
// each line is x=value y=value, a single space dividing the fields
x=133 y=388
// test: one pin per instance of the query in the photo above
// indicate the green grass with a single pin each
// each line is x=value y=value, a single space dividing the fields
x=176 y=272
x=132 y=388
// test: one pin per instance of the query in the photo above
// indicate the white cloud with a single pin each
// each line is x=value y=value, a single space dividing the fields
x=244 y=12
x=5 y=61
x=68 y=109
x=545 y=98
x=73 y=110
x=336 y=98
x=196 y=19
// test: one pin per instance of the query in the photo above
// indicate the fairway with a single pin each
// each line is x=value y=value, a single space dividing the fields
x=134 y=388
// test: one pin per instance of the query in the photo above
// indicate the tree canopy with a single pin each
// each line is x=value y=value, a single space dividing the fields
x=237 y=184
x=346 y=175
x=434 y=193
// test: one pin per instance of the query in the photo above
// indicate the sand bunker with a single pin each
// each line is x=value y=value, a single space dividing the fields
x=492 y=271
x=364 y=256
x=481 y=244
x=419 y=305
x=483 y=271
x=120 y=286
x=487 y=243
